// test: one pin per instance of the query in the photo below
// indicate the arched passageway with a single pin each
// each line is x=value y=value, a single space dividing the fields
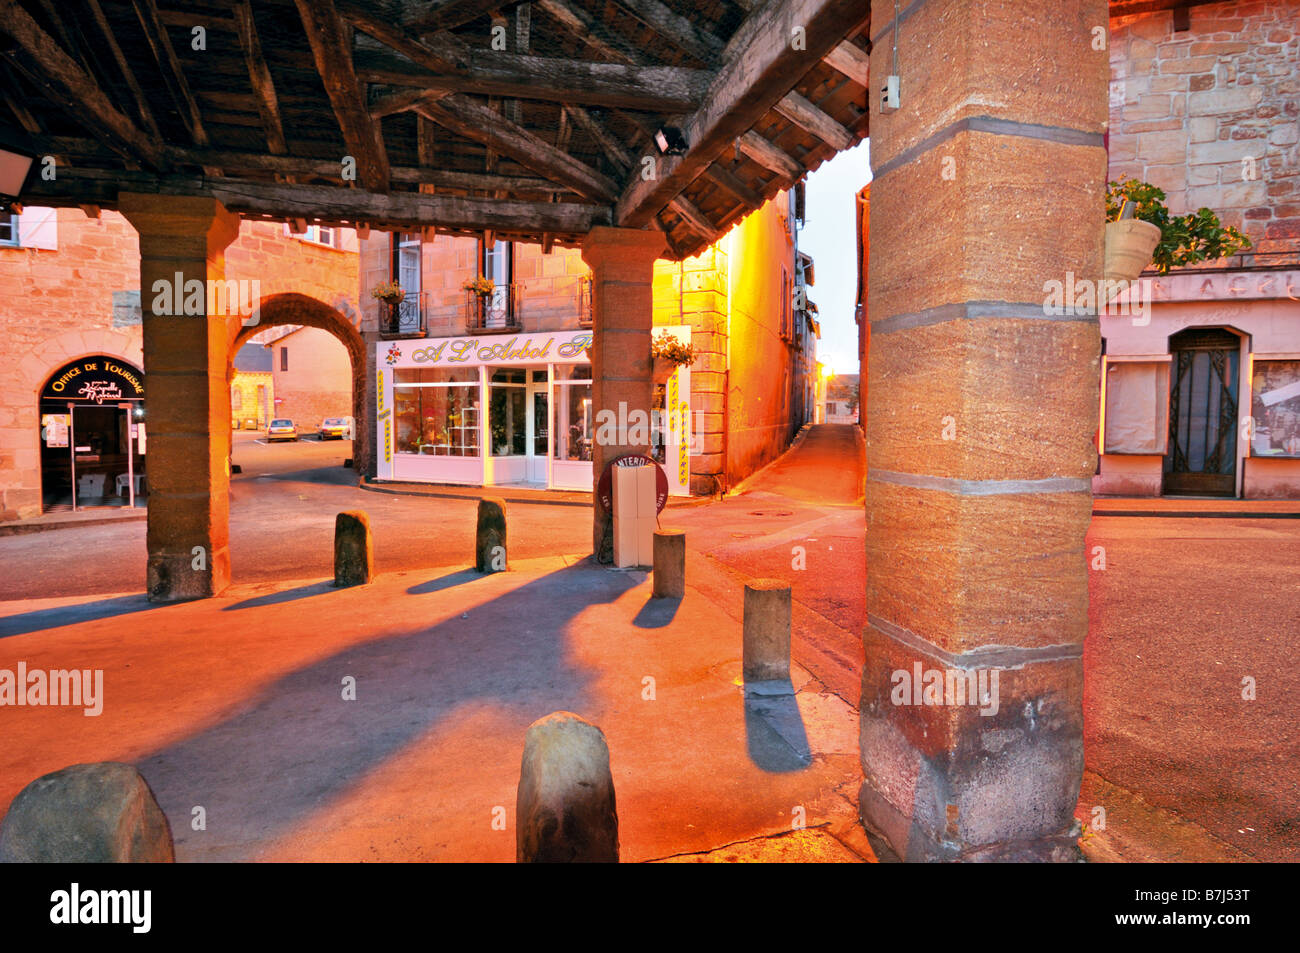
x=291 y=308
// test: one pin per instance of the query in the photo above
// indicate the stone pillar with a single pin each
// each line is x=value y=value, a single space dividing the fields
x=988 y=183
x=767 y=615
x=670 y=564
x=622 y=304
x=187 y=397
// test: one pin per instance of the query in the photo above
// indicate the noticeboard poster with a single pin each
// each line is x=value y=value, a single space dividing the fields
x=1275 y=408
x=54 y=429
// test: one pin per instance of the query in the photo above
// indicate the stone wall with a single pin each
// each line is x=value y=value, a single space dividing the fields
x=84 y=298
x=318 y=381
x=1210 y=115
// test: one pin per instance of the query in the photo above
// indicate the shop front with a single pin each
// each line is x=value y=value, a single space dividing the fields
x=1200 y=395
x=503 y=410
x=93 y=435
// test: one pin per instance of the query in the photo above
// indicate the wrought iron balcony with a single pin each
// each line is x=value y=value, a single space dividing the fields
x=495 y=313
x=404 y=319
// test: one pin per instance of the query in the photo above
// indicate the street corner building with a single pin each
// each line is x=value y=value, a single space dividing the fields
x=1200 y=380
x=482 y=373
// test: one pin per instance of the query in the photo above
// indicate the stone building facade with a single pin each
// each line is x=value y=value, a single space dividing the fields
x=70 y=296
x=311 y=375
x=732 y=303
x=1201 y=391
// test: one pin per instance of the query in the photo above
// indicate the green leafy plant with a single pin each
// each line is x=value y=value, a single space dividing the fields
x=1184 y=239
x=672 y=350
x=389 y=292
x=480 y=285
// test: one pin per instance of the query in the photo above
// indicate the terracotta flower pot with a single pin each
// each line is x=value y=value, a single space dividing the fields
x=1129 y=244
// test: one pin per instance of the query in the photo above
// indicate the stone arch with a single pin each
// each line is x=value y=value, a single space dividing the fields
x=293 y=308
x=21 y=487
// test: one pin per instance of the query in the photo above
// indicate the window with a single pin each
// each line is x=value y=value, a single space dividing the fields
x=436 y=411
x=405 y=264
x=787 y=299
x=497 y=263
x=317 y=234
x=573 y=412
x=507 y=412
x=284 y=358
x=8 y=228
x=237 y=400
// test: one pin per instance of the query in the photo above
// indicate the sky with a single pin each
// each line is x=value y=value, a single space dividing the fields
x=830 y=236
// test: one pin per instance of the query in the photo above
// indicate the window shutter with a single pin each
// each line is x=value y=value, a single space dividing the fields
x=39 y=228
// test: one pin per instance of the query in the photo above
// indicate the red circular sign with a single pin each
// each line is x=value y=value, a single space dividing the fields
x=605 y=488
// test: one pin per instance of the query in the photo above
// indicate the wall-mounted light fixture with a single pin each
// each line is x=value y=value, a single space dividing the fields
x=670 y=141
x=16 y=158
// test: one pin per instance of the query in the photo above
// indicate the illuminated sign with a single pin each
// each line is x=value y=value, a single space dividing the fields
x=497 y=349
x=95 y=380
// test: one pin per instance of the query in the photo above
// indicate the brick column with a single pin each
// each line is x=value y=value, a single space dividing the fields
x=622 y=305
x=187 y=398
x=988 y=182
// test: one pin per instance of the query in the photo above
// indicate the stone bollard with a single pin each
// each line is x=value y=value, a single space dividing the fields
x=670 y=564
x=100 y=813
x=767 y=630
x=354 y=555
x=564 y=811
x=490 y=537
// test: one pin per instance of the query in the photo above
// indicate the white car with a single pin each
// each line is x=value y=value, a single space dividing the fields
x=332 y=427
x=281 y=429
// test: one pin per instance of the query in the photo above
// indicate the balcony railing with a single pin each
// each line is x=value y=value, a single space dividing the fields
x=1286 y=259
x=405 y=319
x=495 y=313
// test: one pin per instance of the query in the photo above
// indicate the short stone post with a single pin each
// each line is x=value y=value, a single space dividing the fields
x=354 y=554
x=564 y=810
x=100 y=813
x=670 y=564
x=767 y=631
x=490 y=537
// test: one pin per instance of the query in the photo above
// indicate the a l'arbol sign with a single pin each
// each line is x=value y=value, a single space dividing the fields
x=605 y=488
x=95 y=380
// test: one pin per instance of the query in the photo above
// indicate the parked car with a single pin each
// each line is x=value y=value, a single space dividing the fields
x=336 y=427
x=281 y=429
x=250 y=423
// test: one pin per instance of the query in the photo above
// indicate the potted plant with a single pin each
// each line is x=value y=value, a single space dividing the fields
x=390 y=294
x=480 y=286
x=1140 y=231
x=669 y=354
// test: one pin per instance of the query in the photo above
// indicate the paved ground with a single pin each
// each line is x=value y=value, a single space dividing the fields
x=1184 y=766
x=1185 y=608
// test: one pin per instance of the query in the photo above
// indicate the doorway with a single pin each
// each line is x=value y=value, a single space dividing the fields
x=92 y=455
x=1204 y=387
x=539 y=430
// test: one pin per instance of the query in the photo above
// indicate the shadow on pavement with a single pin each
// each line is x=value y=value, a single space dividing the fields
x=774 y=732
x=285 y=595
x=296 y=745
x=458 y=578
x=657 y=613
x=53 y=618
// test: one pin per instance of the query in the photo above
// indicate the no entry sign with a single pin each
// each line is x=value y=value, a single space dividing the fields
x=605 y=488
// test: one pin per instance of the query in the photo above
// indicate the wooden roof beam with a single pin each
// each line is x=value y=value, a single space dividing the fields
x=65 y=81
x=760 y=67
x=809 y=118
x=662 y=89
x=173 y=75
x=268 y=104
x=696 y=220
x=447 y=15
x=585 y=28
x=677 y=29
x=333 y=56
x=769 y=156
x=851 y=60
x=729 y=182
x=476 y=122
x=327 y=203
